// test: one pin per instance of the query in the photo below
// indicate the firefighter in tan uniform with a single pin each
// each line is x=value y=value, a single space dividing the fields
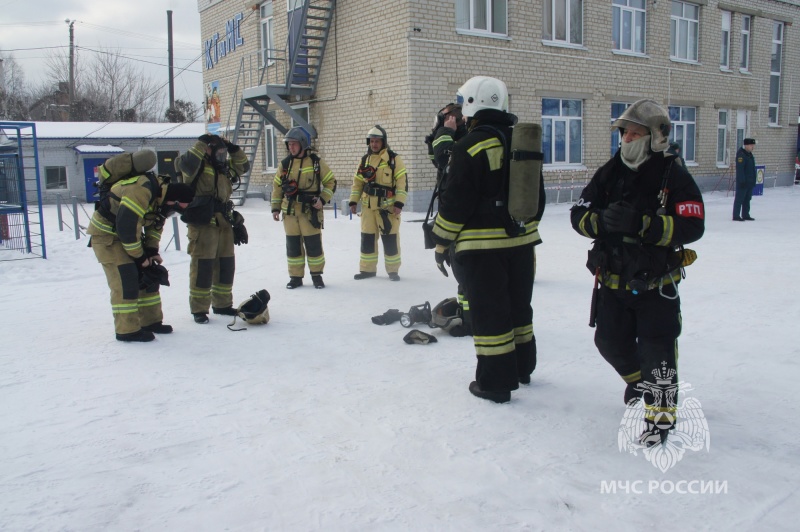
x=302 y=186
x=380 y=183
x=125 y=233
x=211 y=167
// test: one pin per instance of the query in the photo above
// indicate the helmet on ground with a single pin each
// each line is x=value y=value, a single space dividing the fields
x=300 y=135
x=254 y=311
x=649 y=114
x=445 y=313
x=377 y=132
x=482 y=92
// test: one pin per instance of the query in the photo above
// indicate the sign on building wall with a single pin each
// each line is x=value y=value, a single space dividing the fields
x=216 y=48
x=213 y=107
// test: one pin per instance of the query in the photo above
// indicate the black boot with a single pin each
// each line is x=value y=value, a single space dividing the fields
x=158 y=328
x=394 y=276
x=294 y=282
x=632 y=394
x=200 y=317
x=139 y=336
x=497 y=397
x=225 y=311
x=364 y=275
x=653 y=435
x=317 y=280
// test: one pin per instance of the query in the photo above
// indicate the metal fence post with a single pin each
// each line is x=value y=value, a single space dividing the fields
x=75 y=217
x=58 y=210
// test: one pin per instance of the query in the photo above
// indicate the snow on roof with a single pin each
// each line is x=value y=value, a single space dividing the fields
x=118 y=130
x=86 y=148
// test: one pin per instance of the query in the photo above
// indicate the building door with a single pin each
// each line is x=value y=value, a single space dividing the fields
x=166 y=163
x=91 y=168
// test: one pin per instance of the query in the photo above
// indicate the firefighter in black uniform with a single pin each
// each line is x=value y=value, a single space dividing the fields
x=494 y=253
x=640 y=208
x=450 y=127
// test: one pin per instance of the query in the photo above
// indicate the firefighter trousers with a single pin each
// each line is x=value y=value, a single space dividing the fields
x=303 y=243
x=132 y=308
x=372 y=226
x=638 y=336
x=212 y=267
x=499 y=287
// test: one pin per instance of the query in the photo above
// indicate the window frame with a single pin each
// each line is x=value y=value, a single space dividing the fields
x=549 y=23
x=688 y=129
x=467 y=26
x=725 y=41
x=745 y=44
x=722 y=138
x=775 y=75
x=675 y=23
x=549 y=134
x=616 y=139
x=617 y=24
x=270 y=148
x=62 y=177
x=267 y=58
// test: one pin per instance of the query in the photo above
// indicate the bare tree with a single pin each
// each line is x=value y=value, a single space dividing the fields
x=182 y=111
x=14 y=96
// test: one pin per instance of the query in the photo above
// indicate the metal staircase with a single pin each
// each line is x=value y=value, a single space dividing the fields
x=295 y=72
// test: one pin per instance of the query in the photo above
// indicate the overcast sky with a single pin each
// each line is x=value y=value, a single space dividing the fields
x=32 y=29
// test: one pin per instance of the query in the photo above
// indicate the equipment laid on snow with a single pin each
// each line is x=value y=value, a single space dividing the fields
x=446 y=313
x=254 y=310
x=416 y=336
x=390 y=316
x=417 y=314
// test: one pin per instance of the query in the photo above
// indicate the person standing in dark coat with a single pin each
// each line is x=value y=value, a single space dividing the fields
x=745 y=181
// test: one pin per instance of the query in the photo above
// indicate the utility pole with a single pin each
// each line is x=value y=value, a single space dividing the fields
x=169 y=54
x=71 y=64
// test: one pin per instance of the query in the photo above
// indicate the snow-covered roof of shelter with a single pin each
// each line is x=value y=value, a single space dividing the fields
x=107 y=148
x=118 y=130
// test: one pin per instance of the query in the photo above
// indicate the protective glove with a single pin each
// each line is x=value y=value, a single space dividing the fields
x=239 y=234
x=232 y=148
x=621 y=217
x=442 y=256
x=207 y=138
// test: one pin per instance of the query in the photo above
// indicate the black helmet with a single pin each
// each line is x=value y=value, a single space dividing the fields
x=254 y=311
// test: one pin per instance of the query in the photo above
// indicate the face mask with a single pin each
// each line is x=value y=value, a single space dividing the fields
x=636 y=152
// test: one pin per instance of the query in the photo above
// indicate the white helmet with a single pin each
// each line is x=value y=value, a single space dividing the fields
x=482 y=92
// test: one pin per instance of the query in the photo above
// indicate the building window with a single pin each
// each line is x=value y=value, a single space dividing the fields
x=55 y=177
x=741 y=127
x=482 y=16
x=616 y=111
x=628 y=25
x=562 y=131
x=267 y=34
x=291 y=5
x=270 y=148
x=725 y=47
x=302 y=110
x=744 y=64
x=722 y=137
x=683 y=129
x=775 y=72
x=563 y=21
x=684 y=28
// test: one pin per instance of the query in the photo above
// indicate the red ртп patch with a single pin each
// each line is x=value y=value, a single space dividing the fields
x=690 y=209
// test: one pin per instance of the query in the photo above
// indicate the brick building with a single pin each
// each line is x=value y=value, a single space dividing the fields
x=726 y=70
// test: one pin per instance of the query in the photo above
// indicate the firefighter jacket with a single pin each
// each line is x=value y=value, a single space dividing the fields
x=651 y=256
x=133 y=205
x=211 y=184
x=442 y=145
x=380 y=181
x=745 y=168
x=301 y=180
x=473 y=210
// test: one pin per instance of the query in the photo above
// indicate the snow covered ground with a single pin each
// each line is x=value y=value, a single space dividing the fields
x=321 y=420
